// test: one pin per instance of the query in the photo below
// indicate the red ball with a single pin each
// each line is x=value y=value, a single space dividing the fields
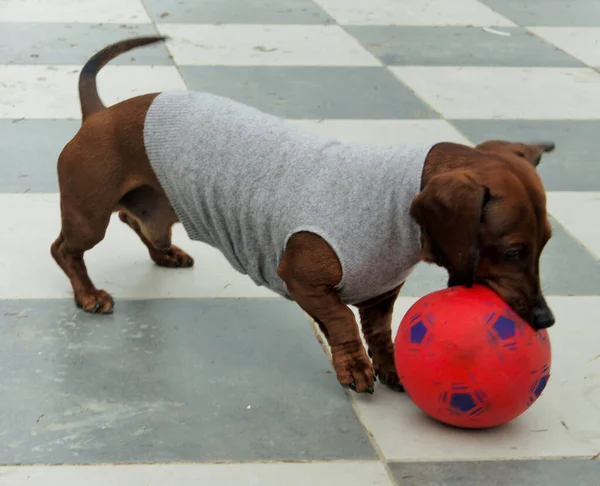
x=466 y=359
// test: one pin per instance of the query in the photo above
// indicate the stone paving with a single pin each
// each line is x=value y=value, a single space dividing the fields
x=199 y=376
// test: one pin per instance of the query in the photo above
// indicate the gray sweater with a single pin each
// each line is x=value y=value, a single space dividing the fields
x=244 y=182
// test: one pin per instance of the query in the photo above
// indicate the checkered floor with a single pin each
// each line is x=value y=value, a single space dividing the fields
x=201 y=377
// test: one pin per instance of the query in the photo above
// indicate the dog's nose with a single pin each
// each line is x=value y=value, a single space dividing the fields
x=542 y=317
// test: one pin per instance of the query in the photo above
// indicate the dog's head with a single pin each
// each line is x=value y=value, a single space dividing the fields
x=483 y=217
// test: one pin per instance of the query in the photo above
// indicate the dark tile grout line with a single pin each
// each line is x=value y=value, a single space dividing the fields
x=187 y=463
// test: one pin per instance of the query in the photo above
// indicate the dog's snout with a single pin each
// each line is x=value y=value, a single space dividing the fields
x=542 y=316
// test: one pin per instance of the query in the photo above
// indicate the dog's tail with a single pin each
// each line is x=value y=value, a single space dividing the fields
x=88 y=92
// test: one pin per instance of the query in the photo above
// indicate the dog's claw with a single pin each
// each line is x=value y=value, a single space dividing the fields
x=389 y=379
x=353 y=370
x=97 y=302
x=352 y=386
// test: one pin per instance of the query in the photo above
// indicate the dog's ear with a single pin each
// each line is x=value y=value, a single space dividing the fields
x=533 y=151
x=449 y=211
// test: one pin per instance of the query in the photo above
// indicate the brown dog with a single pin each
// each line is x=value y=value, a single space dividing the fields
x=479 y=212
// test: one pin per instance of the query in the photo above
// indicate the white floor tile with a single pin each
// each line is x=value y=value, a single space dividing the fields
x=120 y=263
x=580 y=42
x=316 y=474
x=385 y=132
x=506 y=92
x=265 y=45
x=51 y=91
x=68 y=11
x=412 y=12
x=564 y=422
x=579 y=214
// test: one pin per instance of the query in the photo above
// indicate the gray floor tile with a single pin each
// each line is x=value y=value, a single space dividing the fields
x=573 y=166
x=236 y=12
x=169 y=380
x=569 y=13
x=458 y=46
x=311 y=92
x=567 y=269
x=28 y=43
x=499 y=473
x=30 y=149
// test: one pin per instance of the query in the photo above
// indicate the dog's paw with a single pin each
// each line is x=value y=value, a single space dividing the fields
x=354 y=371
x=174 y=257
x=96 y=302
x=389 y=378
x=385 y=369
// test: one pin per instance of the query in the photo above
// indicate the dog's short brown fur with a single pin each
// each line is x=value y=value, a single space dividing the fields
x=482 y=212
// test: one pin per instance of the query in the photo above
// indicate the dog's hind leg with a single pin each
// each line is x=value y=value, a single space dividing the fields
x=81 y=232
x=148 y=212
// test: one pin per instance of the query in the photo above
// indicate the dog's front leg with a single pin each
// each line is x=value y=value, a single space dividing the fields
x=350 y=361
x=376 y=323
x=311 y=271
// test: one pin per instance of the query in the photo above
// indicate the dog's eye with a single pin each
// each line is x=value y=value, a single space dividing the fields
x=515 y=253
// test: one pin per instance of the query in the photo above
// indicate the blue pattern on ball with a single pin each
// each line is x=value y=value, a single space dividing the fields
x=541 y=385
x=505 y=327
x=462 y=401
x=417 y=333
